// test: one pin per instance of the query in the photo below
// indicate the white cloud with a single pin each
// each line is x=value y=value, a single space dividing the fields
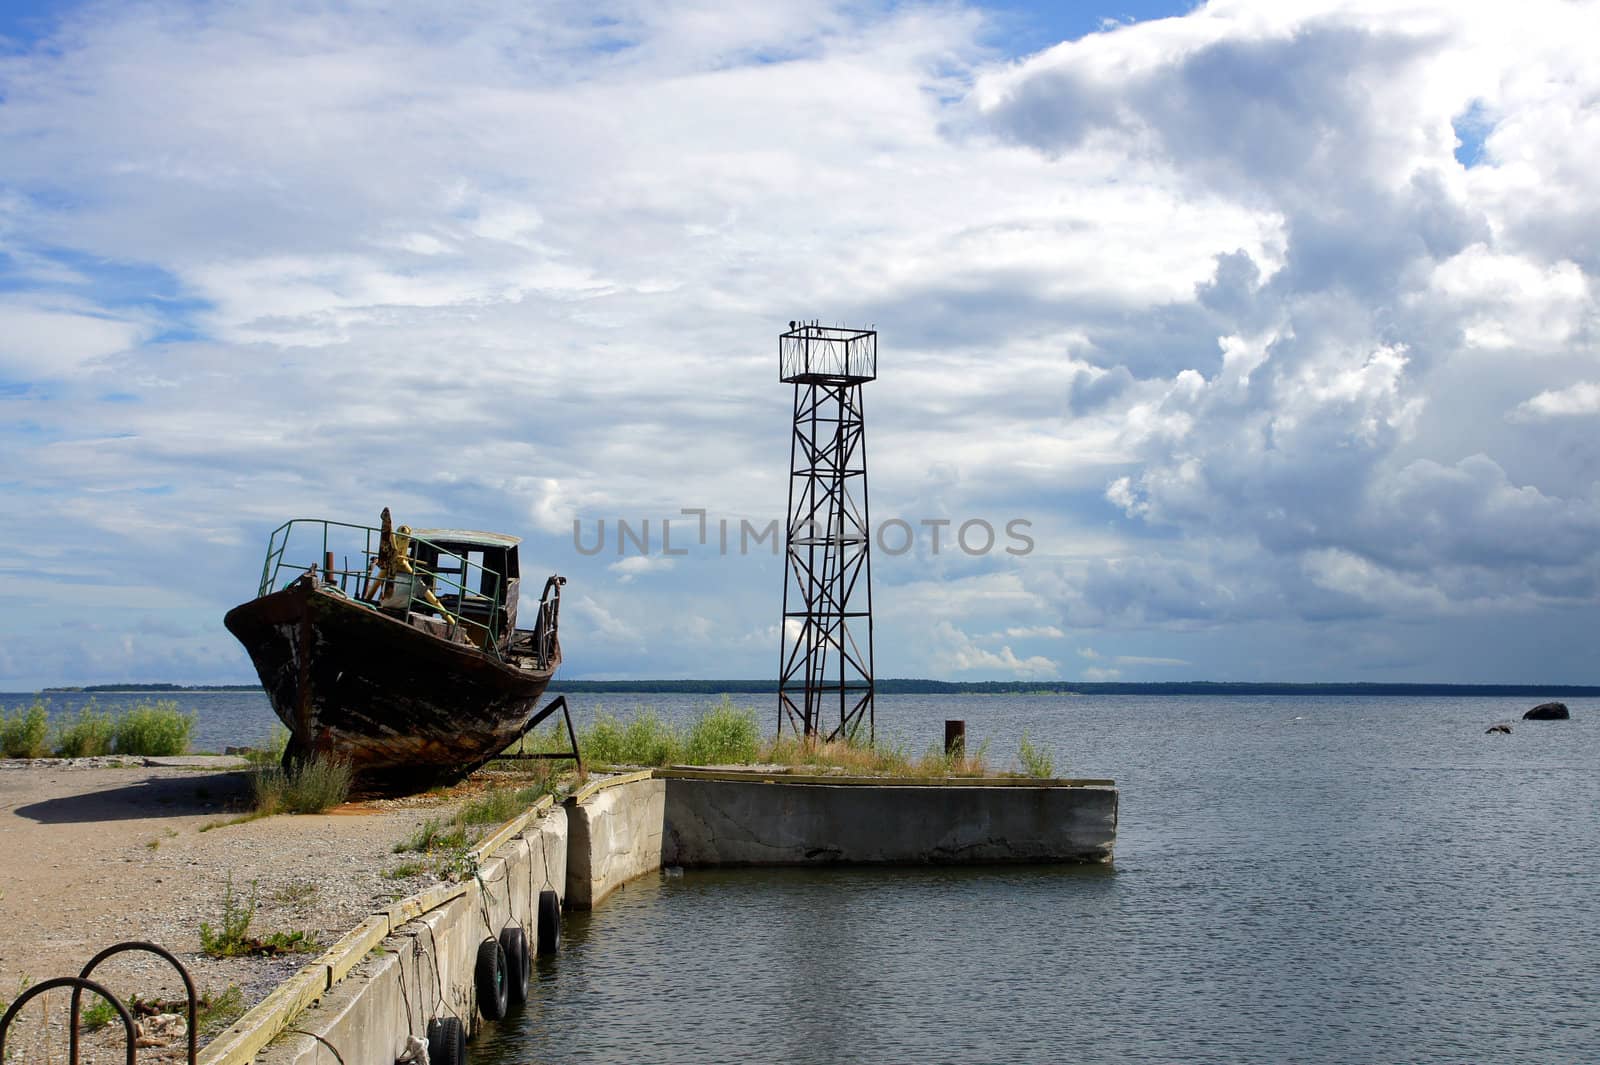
x=1210 y=299
x=639 y=565
x=1580 y=398
x=50 y=338
x=966 y=656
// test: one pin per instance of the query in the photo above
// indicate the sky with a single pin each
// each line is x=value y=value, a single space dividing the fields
x=1274 y=322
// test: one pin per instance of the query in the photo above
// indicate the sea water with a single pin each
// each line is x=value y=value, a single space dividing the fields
x=1300 y=879
x=1297 y=879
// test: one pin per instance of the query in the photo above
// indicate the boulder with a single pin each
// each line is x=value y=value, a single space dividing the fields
x=1548 y=712
x=1498 y=728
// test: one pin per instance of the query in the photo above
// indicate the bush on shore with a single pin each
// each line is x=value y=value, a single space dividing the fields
x=154 y=728
x=87 y=733
x=146 y=728
x=25 y=731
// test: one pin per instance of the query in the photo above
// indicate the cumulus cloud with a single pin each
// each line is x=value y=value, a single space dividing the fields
x=1210 y=299
x=963 y=655
x=1576 y=399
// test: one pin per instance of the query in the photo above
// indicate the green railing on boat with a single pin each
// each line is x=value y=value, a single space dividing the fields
x=452 y=582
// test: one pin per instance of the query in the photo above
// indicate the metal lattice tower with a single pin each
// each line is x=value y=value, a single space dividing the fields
x=826 y=641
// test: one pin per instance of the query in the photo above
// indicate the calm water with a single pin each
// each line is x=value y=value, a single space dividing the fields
x=1297 y=880
x=1307 y=879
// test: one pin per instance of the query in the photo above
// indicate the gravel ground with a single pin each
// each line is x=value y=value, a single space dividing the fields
x=98 y=850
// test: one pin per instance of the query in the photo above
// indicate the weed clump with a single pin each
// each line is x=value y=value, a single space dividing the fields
x=219 y=1009
x=1036 y=761
x=723 y=734
x=25 y=731
x=309 y=787
x=272 y=753
x=434 y=834
x=97 y=1014
x=233 y=938
x=154 y=728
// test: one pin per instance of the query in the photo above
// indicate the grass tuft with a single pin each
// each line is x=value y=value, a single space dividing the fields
x=233 y=938
x=723 y=734
x=434 y=835
x=272 y=753
x=230 y=940
x=296 y=893
x=216 y=1011
x=720 y=734
x=309 y=787
x=98 y=1014
x=1036 y=761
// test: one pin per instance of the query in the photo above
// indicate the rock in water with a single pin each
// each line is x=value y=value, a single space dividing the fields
x=1506 y=729
x=1548 y=712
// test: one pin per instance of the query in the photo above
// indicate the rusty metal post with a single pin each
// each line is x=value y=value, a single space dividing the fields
x=955 y=739
x=327 y=567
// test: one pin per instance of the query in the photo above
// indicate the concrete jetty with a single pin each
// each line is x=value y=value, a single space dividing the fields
x=386 y=980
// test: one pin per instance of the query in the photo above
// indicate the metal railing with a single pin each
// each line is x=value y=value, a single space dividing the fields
x=81 y=983
x=464 y=581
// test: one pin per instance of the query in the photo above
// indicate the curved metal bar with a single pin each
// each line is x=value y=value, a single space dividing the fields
x=78 y=984
x=149 y=948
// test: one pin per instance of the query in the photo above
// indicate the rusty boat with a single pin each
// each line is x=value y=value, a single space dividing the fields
x=397 y=650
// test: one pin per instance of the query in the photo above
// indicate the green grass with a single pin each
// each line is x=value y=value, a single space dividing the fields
x=216 y=1011
x=493 y=807
x=98 y=1014
x=726 y=734
x=154 y=728
x=86 y=734
x=25 y=731
x=720 y=734
x=309 y=787
x=229 y=940
x=272 y=753
x=723 y=734
x=1036 y=761
x=405 y=870
x=434 y=835
x=296 y=893
x=232 y=939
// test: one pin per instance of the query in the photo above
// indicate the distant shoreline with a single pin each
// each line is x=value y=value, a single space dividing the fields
x=911 y=686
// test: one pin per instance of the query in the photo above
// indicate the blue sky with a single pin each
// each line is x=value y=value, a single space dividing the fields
x=1275 y=321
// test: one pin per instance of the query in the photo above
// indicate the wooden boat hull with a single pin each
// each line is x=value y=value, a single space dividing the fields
x=408 y=709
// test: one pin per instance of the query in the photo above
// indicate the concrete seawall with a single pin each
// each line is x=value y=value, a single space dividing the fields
x=765 y=822
x=415 y=961
x=616 y=828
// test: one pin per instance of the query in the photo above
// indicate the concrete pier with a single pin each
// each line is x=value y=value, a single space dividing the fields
x=401 y=968
x=712 y=821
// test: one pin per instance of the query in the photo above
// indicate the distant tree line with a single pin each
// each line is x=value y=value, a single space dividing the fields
x=913 y=686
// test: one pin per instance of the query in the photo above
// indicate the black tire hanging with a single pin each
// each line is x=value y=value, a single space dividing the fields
x=447 y=1041
x=490 y=977
x=549 y=921
x=515 y=944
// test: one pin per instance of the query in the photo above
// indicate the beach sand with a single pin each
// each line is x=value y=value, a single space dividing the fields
x=96 y=851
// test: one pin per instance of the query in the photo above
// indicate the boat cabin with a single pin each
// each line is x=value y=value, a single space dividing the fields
x=474 y=574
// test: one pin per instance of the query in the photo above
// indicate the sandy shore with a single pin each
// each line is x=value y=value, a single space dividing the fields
x=94 y=851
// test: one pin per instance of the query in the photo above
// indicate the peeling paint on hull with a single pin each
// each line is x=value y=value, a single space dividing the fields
x=406 y=708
